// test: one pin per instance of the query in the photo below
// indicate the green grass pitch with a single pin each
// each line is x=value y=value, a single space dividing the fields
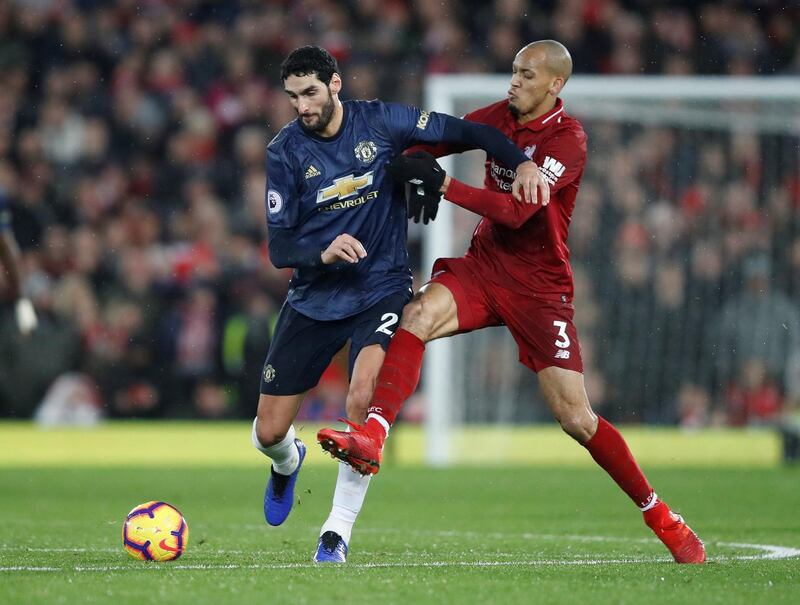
x=532 y=533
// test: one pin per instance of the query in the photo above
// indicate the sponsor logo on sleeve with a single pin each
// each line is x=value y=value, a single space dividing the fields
x=422 y=122
x=551 y=169
x=274 y=201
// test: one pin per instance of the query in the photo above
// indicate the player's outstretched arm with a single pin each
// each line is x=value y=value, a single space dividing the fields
x=423 y=171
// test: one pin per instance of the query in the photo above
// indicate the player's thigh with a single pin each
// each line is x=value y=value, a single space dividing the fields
x=544 y=331
x=300 y=351
x=454 y=300
x=372 y=332
x=375 y=326
x=276 y=413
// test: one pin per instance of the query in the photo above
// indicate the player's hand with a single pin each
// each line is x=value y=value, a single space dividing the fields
x=418 y=168
x=422 y=203
x=344 y=247
x=533 y=185
x=26 y=316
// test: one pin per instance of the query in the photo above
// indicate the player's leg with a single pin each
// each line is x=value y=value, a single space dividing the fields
x=549 y=345
x=274 y=436
x=301 y=349
x=351 y=486
x=372 y=332
x=451 y=302
x=564 y=392
x=566 y=396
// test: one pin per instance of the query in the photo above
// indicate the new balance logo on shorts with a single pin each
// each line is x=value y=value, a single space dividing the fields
x=551 y=169
x=562 y=354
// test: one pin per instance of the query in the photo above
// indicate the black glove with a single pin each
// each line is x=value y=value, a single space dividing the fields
x=418 y=168
x=422 y=203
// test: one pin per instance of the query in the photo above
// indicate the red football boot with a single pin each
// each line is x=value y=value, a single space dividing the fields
x=359 y=448
x=678 y=537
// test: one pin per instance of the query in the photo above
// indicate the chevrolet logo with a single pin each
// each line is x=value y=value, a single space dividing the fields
x=344 y=187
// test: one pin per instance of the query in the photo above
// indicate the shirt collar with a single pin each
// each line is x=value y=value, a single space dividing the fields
x=546 y=119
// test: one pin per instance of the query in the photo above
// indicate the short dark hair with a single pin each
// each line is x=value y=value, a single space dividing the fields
x=308 y=60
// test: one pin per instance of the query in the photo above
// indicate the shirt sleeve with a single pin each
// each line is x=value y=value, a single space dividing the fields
x=431 y=127
x=439 y=150
x=408 y=125
x=282 y=198
x=499 y=207
x=562 y=158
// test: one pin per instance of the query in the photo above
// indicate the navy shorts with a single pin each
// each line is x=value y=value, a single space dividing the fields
x=302 y=348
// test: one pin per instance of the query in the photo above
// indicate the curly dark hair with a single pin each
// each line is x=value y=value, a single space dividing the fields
x=308 y=60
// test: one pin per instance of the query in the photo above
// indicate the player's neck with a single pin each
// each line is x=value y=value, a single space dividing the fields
x=538 y=111
x=336 y=120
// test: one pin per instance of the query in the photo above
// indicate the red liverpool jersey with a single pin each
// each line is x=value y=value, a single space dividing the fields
x=533 y=257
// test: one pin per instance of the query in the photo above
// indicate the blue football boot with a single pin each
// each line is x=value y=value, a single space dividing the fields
x=279 y=497
x=331 y=549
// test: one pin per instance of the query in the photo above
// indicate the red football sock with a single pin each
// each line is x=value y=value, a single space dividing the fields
x=609 y=450
x=397 y=379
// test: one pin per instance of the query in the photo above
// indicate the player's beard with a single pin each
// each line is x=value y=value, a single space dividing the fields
x=325 y=116
x=514 y=110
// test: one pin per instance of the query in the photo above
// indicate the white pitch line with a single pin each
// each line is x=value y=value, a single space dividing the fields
x=771 y=553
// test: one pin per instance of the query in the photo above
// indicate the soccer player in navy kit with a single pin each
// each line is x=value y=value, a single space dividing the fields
x=516 y=273
x=340 y=222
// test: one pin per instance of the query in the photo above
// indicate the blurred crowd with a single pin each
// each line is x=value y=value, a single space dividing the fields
x=132 y=140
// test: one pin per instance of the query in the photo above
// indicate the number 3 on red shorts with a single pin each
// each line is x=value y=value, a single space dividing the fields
x=563 y=341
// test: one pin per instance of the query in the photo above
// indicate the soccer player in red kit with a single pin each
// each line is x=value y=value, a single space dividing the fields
x=516 y=273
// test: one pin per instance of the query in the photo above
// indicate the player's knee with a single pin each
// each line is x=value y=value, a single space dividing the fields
x=358 y=399
x=269 y=434
x=577 y=425
x=419 y=317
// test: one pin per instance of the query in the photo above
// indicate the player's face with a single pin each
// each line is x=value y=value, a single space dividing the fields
x=531 y=85
x=312 y=100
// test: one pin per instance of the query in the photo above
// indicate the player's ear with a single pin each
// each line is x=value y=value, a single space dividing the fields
x=336 y=84
x=556 y=86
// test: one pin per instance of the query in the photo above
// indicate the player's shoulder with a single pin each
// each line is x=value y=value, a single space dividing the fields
x=286 y=137
x=570 y=124
x=371 y=107
x=490 y=114
x=566 y=129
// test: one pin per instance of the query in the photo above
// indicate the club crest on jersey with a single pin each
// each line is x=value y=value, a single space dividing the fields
x=344 y=187
x=366 y=152
x=269 y=373
x=274 y=201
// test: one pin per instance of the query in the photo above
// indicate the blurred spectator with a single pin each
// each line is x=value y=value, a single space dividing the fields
x=760 y=324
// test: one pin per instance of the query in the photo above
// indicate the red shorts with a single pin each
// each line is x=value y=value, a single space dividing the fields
x=541 y=325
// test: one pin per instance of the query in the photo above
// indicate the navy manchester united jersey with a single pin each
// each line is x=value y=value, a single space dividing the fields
x=322 y=187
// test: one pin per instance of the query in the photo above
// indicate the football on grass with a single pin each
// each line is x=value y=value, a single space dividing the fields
x=155 y=531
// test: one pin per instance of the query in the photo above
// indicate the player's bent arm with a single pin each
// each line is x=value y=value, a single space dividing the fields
x=501 y=208
x=284 y=251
